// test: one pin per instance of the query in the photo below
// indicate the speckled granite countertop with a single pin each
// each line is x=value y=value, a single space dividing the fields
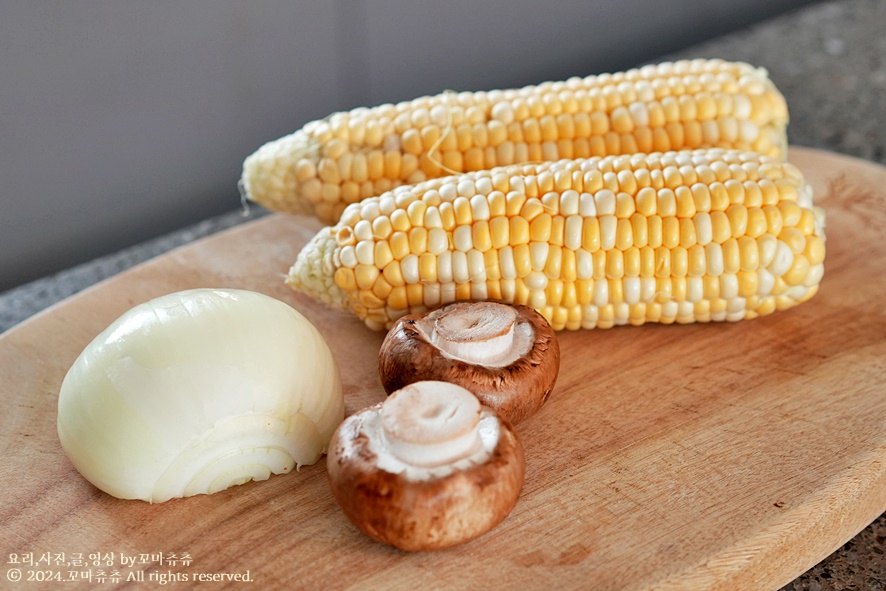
x=829 y=59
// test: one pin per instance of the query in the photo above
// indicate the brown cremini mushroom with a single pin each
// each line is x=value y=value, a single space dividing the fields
x=428 y=468
x=507 y=355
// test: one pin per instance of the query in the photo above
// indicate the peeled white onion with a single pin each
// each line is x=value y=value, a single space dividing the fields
x=197 y=391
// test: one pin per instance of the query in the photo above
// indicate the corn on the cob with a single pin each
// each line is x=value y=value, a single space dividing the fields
x=690 y=236
x=349 y=156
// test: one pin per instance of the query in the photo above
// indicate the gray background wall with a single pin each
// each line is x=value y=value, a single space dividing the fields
x=120 y=121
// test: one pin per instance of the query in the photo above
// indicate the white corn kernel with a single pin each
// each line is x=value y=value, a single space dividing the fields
x=782 y=261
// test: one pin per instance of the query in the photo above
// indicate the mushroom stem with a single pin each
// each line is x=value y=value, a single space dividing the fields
x=478 y=334
x=431 y=424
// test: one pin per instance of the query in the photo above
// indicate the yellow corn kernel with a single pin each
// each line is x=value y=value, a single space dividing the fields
x=584 y=291
x=568 y=265
x=721 y=229
x=615 y=264
x=381 y=287
x=814 y=250
x=688 y=235
x=796 y=275
x=514 y=199
x=393 y=274
x=463 y=212
x=427 y=268
x=790 y=212
x=418 y=240
x=624 y=234
x=748 y=253
x=647 y=262
x=679 y=261
x=701 y=197
x=522 y=260
x=719 y=195
x=774 y=220
x=497 y=203
x=794 y=238
x=647 y=201
x=696 y=261
x=639 y=229
x=599 y=264
x=655 y=229
x=515 y=229
x=531 y=209
x=678 y=289
x=731 y=256
x=663 y=289
x=365 y=276
x=806 y=223
x=382 y=254
x=553 y=261
x=400 y=221
x=399 y=245
x=491 y=265
x=738 y=219
x=345 y=279
x=590 y=238
x=747 y=283
x=632 y=262
x=662 y=262
x=666 y=205
x=670 y=232
x=685 y=202
x=540 y=228
x=756 y=222
x=370 y=300
x=558 y=230
x=711 y=287
x=480 y=235
x=415 y=295
x=753 y=192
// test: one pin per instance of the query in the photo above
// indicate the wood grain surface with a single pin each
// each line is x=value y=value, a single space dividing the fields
x=717 y=456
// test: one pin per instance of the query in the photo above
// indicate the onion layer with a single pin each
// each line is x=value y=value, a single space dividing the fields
x=196 y=391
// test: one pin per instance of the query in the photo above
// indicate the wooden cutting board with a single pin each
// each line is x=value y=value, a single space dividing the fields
x=718 y=456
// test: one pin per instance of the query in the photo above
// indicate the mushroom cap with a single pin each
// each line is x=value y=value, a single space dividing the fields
x=516 y=391
x=423 y=514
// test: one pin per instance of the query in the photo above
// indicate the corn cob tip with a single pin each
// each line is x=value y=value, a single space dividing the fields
x=314 y=270
x=277 y=171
